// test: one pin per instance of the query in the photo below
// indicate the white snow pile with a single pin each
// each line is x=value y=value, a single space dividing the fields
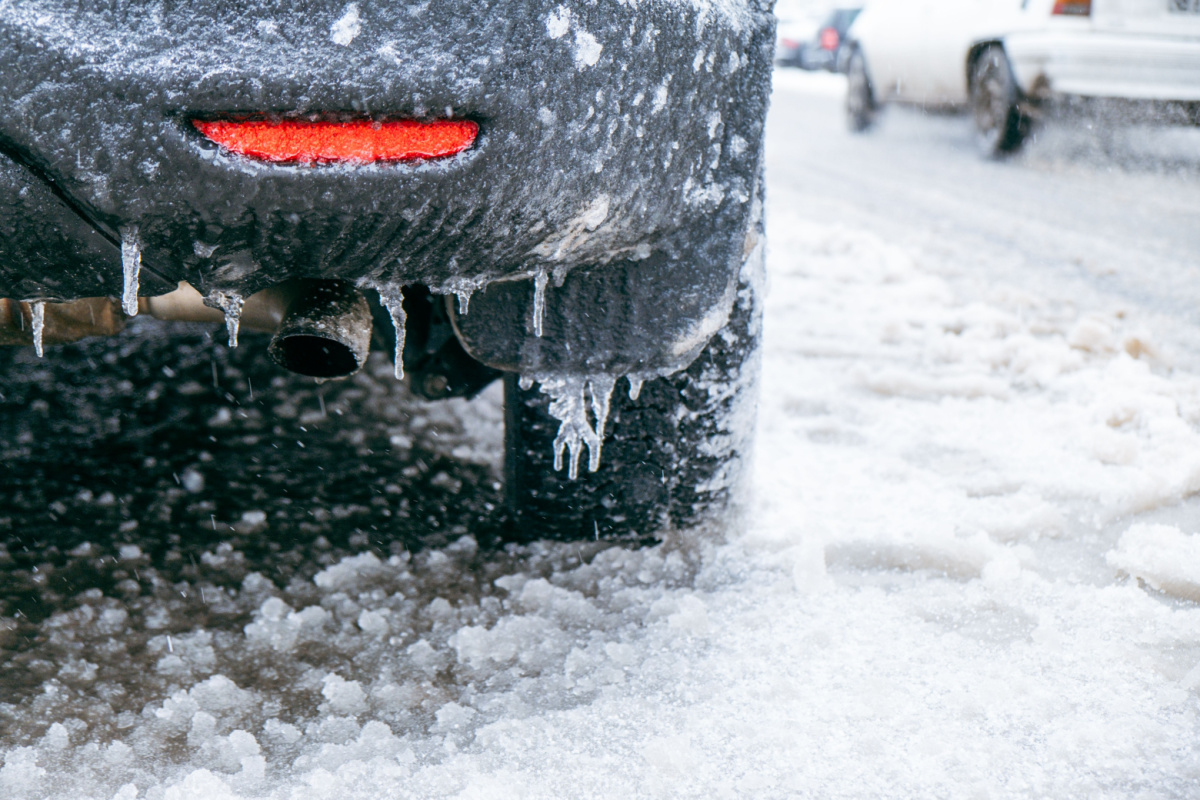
x=953 y=586
x=1163 y=556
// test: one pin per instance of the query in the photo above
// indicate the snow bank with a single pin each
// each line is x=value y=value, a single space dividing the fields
x=1163 y=556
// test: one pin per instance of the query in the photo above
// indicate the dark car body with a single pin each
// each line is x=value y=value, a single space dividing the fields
x=617 y=155
x=826 y=49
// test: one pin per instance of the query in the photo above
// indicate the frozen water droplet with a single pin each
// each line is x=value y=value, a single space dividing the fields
x=601 y=389
x=393 y=300
x=568 y=404
x=525 y=382
x=635 y=385
x=231 y=303
x=38 y=311
x=539 y=300
x=462 y=288
x=464 y=299
x=131 y=267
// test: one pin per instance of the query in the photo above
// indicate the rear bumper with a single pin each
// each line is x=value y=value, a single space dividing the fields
x=1109 y=65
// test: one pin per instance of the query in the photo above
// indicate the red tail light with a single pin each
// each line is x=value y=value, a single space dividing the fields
x=829 y=39
x=1072 y=8
x=358 y=141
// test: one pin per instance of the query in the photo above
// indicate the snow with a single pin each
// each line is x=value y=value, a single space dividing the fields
x=347 y=26
x=970 y=571
x=1163 y=556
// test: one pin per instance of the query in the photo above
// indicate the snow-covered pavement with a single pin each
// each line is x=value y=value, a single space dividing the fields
x=970 y=568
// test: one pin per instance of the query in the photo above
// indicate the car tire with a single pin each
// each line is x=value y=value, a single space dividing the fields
x=860 y=96
x=1001 y=126
x=672 y=458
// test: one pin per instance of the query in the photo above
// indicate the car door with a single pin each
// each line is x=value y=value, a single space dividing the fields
x=889 y=33
x=953 y=26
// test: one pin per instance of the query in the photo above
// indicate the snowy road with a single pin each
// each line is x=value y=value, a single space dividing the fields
x=971 y=567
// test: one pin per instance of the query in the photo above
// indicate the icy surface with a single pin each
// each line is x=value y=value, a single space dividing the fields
x=37 y=311
x=970 y=573
x=131 y=267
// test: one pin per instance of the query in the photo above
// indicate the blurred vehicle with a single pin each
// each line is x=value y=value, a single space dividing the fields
x=795 y=29
x=826 y=49
x=1006 y=59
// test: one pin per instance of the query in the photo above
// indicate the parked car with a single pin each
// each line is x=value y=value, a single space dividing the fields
x=563 y=197
x=795 y=28
x=1006 y=59
x=825 y=50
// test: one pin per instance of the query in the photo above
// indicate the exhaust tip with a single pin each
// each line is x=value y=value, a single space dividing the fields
x=314 y=356
x=325 y=332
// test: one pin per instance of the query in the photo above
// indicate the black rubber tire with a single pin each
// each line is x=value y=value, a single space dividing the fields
x=672 y=459
x=860 y=95
x=1000 y=125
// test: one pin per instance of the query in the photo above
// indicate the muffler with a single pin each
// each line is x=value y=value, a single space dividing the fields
x=325 y=331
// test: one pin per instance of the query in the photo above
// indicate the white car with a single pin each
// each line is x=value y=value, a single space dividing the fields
x=1004 y=58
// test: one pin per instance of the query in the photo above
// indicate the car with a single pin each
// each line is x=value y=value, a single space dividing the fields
x=795 y=28
x=828 y=44
x=562 y=197
x=1008 y=60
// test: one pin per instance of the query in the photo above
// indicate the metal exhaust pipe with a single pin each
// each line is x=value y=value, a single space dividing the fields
x=325 y=332
x=322 y=327
x=62 y=323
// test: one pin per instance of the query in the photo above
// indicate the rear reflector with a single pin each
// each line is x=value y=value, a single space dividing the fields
x=829 y=39
x=358 y=141
x=1072 y=8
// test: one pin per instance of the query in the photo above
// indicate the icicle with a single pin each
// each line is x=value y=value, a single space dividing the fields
x=601 y=388
x=539 y=300
x=393 y=300
x=463 y=293
x=131 y=266
x=569 y=406
x=525 y=382
x=635 y=385
x=231 y=303
x=38 y=310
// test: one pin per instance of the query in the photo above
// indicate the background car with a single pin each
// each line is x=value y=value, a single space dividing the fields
x=795 y=28
x=825 y=50
x=1006 y=59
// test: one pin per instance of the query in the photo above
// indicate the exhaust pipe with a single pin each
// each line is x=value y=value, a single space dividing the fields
x=325 y=332
x=62 y=323
x=322 y=327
